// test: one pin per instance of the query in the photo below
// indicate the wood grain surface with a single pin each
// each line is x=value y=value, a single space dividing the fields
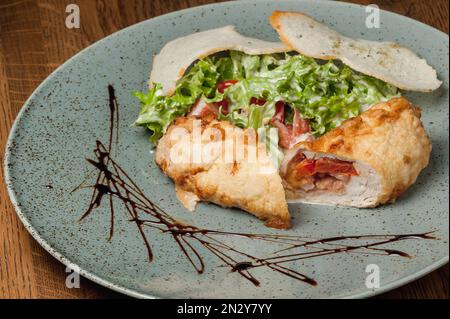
x=33 y=42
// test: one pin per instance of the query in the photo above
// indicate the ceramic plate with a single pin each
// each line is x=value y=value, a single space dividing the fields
x=72 y=149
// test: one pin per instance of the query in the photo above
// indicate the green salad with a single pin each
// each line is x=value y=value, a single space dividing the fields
x=325 y=94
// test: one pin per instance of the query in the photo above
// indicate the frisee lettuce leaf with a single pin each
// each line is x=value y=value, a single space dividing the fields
x=158 y=111
x=326 y=94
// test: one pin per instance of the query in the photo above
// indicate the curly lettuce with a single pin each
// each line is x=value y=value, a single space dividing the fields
x=158 y=111
x=325 y=93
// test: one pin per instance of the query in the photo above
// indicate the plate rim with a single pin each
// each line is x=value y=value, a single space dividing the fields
x=393 y=284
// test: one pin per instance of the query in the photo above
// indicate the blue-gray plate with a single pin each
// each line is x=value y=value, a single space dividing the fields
x=84 y=181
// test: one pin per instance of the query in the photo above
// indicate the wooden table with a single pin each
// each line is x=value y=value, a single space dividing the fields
x=33 y=42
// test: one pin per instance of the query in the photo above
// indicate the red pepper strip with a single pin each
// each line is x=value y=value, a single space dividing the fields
x=331 y=165
x=225 y=106
x=306 y=167
x=221 y=86
x=256 y=101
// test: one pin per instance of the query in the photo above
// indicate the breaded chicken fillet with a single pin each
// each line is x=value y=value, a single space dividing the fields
x=369 y=160
x=194 y=151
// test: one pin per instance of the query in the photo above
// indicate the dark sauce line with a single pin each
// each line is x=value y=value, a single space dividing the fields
x=113 y=182
x=114 y=116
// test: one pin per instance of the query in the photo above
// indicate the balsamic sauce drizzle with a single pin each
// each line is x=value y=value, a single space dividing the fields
x=112 y=182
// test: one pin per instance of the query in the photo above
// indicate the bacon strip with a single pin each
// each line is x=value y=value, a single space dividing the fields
x=290 y=134
x=201 y=109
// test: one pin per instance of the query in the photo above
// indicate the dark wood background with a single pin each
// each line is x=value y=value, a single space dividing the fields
x=33 y=42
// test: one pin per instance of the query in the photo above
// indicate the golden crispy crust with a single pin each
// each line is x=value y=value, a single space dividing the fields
x=230 y=184
x=389 y=137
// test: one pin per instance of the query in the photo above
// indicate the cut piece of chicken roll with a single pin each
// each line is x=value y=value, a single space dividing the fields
x=201 y=156
x=369 y=160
